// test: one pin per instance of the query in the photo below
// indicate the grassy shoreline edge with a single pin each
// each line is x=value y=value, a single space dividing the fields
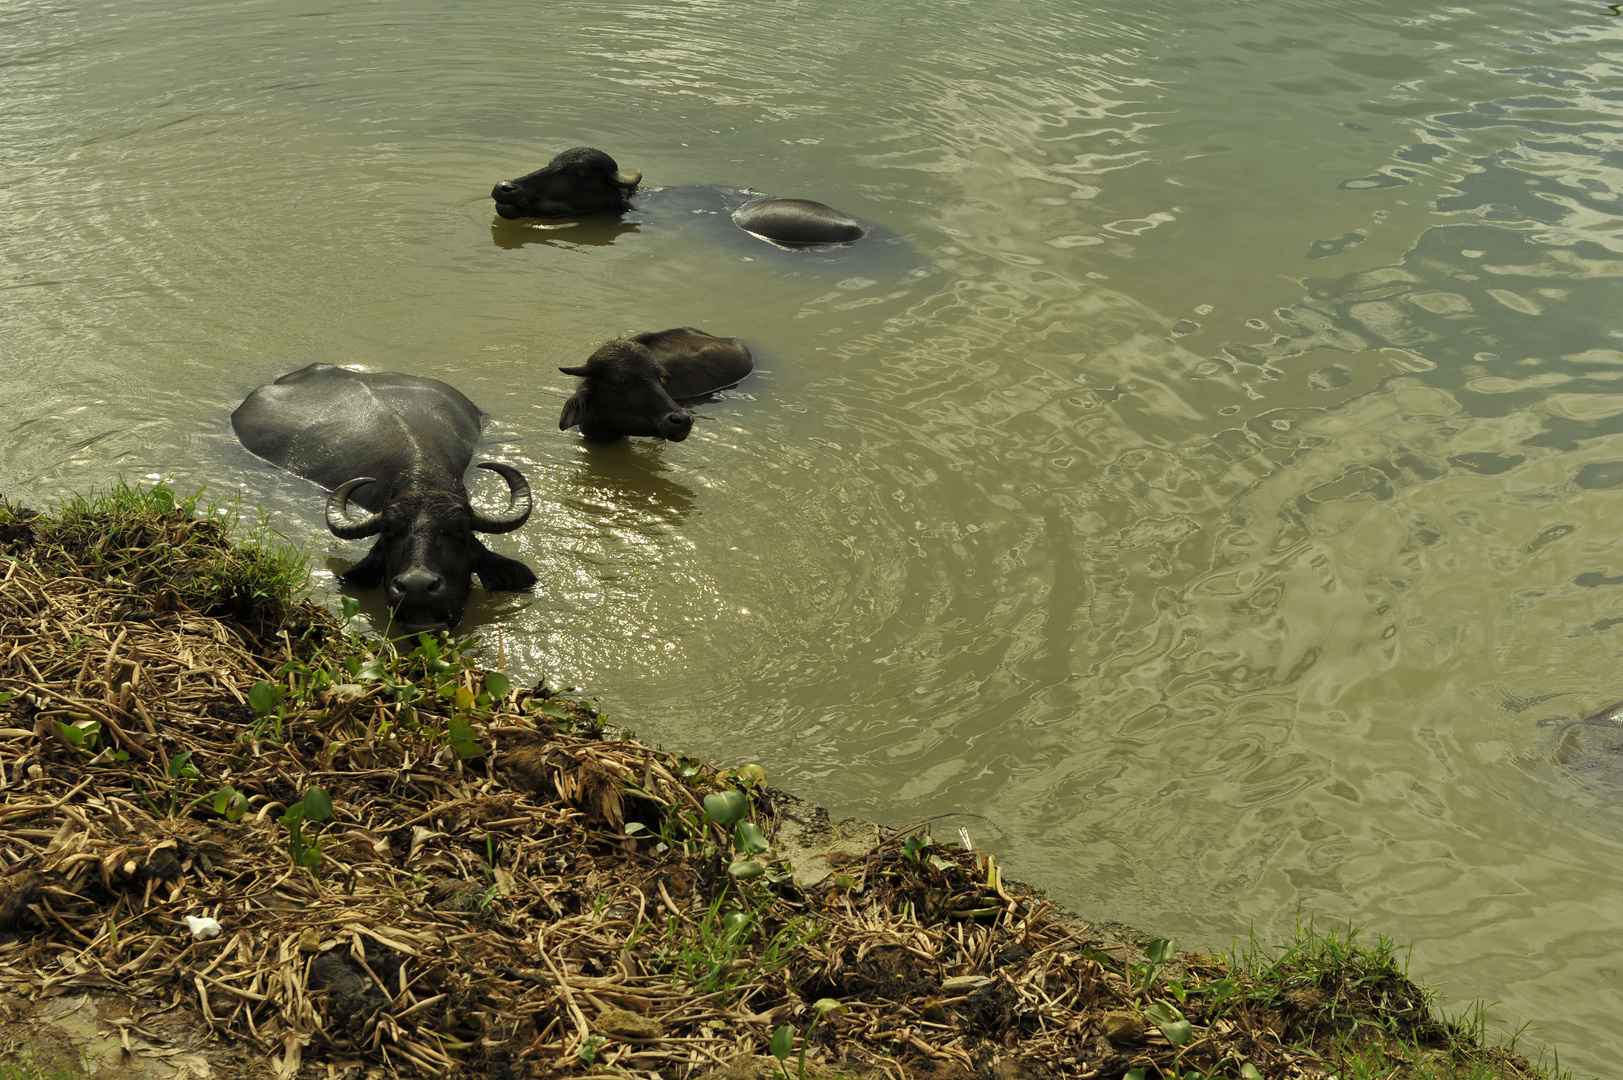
x=419 y=868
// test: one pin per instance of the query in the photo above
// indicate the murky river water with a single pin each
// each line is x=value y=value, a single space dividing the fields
x=1220 y=499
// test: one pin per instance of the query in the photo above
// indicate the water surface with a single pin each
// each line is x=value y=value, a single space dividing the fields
x=1218 y=500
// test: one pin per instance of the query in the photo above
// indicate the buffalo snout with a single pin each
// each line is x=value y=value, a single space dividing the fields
x=417 y=586
x=675 y=426
x=423 y=600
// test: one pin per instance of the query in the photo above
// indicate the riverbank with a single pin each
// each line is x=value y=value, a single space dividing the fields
x=324 y=855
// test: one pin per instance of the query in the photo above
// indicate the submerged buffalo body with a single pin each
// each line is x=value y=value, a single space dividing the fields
x=634 y=386
x=398 y=446
x=588 y=181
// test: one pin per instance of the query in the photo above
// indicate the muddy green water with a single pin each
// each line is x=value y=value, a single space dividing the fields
x=1220 y=505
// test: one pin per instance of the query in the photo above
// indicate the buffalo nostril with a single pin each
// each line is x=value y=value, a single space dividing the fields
x=504 y=187
x=418 y=583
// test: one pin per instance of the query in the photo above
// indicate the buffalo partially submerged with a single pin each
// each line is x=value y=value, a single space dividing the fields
x=587 y=181
x=634 y=386
x=578 y=181
x=398 y=446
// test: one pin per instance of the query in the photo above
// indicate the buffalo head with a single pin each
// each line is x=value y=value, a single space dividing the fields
x=622 y=392
x=427 y=553
x=578 y=181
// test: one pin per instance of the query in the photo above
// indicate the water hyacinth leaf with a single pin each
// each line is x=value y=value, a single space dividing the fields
x=734 y=921
x=230 y=803
x=74 y=735
x=262 y=698
x=751 y=839
x=633 y=827
x=783 y=1042
x=7 y=695
x=824 y=1006
x=496 y=685
x=350 y=606
x=463 y=739
x=317 y=804
x=1178 y=1032
x=751 y=774
x=1160 y=950
x=745 y=869
x=1134 y=1074
x=726 y=807
x=915 y=844
x=1162 y=1013
x=181 y=766
x=1249 y=1071
x=464 y=699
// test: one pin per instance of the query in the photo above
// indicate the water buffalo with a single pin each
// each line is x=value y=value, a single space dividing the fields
x=632 y=386
x=578 y=181
x=397 y=445
x=587 y=181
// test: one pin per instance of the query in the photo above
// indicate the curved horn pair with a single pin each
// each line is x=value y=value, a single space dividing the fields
x=519 y=504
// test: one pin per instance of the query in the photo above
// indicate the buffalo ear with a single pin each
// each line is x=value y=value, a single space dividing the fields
x=580 y=371
x=368 y=573
x=498 y=573
x=574 y=411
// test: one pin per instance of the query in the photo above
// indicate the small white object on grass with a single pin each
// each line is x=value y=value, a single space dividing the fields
x=203 y=928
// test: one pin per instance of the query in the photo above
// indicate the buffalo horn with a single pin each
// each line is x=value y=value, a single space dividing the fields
x=581 y=371
x=518 y=502
x=338 y=520
x=630 y=181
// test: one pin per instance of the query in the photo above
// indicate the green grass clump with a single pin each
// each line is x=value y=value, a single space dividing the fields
x=1351 y=1003
x=154 y=542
